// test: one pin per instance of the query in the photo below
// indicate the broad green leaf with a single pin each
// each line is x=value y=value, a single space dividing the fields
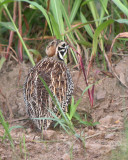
x=66 y=18
x=123 y=39
x=125 y=21
x=121 y=6
x=35 y=52
x=73 y=108
x=82 y=39
x=32 y=7
x=55 y=27
x=65 y=15
x=85 y=2
x=8 y=25
x=57 y=14
x=103 y=9
x=87 y=27
x=74 y=10
x=94 y=11
x=85 y=43
x=98 y=32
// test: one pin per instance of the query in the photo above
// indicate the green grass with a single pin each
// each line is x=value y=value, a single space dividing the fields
x=7 y=131
x=121 y=153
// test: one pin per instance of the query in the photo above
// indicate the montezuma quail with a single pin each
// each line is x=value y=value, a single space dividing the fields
x=57 y=76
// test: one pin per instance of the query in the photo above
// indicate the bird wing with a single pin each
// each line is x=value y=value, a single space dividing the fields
x=37 y=99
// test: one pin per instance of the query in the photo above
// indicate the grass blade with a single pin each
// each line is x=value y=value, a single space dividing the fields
x=87 y=27
x=8 y=25
x=56 y=102
x=121 y=6
x=2 y=60
x=74 y=10
x=97 y=33
x=6 y=128
x=55 y=27
x=55 y=6
x=103 y=10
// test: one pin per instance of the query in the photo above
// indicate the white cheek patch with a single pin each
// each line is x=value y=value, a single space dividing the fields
x=62 y=49
x=60 y=56
x=65 y=53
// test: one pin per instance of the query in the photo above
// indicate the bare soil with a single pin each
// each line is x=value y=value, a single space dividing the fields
x=110 y=110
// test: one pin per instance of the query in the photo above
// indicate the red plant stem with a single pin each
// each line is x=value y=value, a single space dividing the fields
x=26 y=25
x=82 y=67
x=11 y=32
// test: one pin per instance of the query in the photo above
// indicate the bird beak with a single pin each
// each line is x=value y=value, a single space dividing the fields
x=67 y=46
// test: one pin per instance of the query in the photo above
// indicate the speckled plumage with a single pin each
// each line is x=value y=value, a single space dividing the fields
x=57 y=77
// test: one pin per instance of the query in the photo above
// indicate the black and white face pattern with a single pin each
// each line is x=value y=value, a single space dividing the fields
x=61 y=50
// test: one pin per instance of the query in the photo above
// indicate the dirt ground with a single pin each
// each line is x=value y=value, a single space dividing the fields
x=110 y=110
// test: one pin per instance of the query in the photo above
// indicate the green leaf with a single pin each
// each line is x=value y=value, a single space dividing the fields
x=125 y=21
x=87 y=27
x=6 y=128
x=39 y=7
x=74 y=10
x=32 y=7
x=35 y=52
x=55 y=27
x=67 y=21
x=57 y=14
x=103 y=9
x=77 y=117
x=94 y=11
x=123 y=39
x=73 y=108
x=121 y=6
x=2 y=60
x=87 y=89
x=8 y=25
x=55 y=100
x=98 y=32
x=85 y=43
x=83 y=24
x=85 y=2
x=14 y=127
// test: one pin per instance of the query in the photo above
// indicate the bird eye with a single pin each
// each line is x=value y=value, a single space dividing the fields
x=63 y=45
x=52 y=43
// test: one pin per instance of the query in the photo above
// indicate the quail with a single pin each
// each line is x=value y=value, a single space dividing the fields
x=57 y=76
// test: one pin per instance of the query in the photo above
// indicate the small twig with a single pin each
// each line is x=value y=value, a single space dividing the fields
x=19 y=119
x=94 y=135
x=12 y=32
x=39 y=38
x=122 y=109
x=124 y=96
